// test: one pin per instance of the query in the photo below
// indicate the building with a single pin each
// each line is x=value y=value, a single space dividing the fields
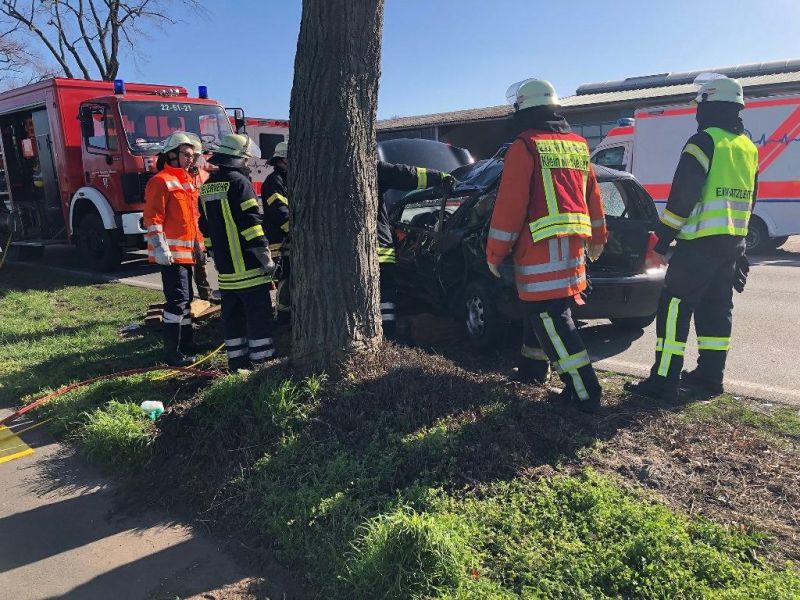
x=593 y=110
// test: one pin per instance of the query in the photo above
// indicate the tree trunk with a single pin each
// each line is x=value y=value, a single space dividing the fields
x=332 y=182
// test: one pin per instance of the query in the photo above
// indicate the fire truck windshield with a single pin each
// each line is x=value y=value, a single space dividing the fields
x=148 y=123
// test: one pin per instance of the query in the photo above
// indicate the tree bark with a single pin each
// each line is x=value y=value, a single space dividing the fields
x=332 y=183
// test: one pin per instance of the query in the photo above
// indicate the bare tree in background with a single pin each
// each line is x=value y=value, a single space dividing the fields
x=83 y=37
x=332 y=183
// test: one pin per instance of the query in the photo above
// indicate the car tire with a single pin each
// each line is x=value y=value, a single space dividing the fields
x=482 y=319
x=757 y=239
x=633 y=323
x=97 y=246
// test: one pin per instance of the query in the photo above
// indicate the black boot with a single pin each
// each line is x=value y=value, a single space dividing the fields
x=532 y=371
x=172 y=346
x=188 y=345
x=657 y=388
x=568 y=398
x=697 y=380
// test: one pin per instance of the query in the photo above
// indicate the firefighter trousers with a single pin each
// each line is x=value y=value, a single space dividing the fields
x=247 y=323
x=176 y=280
x=201 y=275
x=388 y=289
x=699 y=283
x=549 y=333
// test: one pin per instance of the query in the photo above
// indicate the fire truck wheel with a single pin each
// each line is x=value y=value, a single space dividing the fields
x=98 y=248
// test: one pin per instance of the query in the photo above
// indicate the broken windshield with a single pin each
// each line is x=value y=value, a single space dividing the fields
x=146 y=124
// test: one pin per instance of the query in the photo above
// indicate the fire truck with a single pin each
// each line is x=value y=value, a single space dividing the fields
x=75 y=156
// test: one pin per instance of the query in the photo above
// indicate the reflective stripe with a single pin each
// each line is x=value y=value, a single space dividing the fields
x=155 y=228
x=561 y=224
x=713 y=343
x=561 y=350
x=172 y=185
x=386 y=255
x=231 y=277
x=186 y=321
x=213 y=197
x=233 y=342
x=181 y=243
x=238 y=353
x=177 y=255
x=693 y=150
x=572 y=362
x=277 y=196
x=243 y=285
x=599 y=222
x=387 y=317
x=553 y=284
x=251 y=203
x=670 y=219
x=503 y=236
x=564 y=243
x=285 y=227
x=262 y=355
x=207 y=242
x=388 y=305
x=253 y=232
x=422 y=178
x=215 y=188
x=670 y=346
x=558 y=265
x=233 y=238
x=553 y=247
x=169 y=317
x=260 y=342
x=533 y=353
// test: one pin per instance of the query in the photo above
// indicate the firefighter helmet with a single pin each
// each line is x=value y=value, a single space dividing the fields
x=722 y=89
x=281 y=151
x=181 y=138
x=530 y=93
x=234 y=150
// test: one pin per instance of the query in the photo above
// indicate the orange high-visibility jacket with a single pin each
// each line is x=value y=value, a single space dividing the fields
x=170 y=207
x=548 y=204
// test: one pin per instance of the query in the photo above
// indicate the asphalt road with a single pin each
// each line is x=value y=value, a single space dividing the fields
x=763 y=362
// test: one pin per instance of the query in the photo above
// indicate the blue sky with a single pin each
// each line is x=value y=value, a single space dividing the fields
x=442 y=55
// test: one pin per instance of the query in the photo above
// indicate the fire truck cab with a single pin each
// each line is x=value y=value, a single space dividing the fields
x=75 y=156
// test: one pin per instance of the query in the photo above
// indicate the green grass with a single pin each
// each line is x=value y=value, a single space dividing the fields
x=117 y=436
x=784 y=421
x=55 y=330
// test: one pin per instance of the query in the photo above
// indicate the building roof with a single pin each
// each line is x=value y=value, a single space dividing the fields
x=584 y=100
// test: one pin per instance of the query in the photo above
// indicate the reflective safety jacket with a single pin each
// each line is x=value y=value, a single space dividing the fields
x=231 y=223
x=170 y=208
x=275 y=200
x=547 y=205
x=729 y=164
x=403 y=178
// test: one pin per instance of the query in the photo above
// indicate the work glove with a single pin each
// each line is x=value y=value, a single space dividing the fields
x=594 y=251
x=493 y=269
x=263 y=255
x=448 y=182
x=742 y=269
x=161 y=251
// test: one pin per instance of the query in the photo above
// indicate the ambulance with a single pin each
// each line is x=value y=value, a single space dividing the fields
x=650 y=144
x=266 y=133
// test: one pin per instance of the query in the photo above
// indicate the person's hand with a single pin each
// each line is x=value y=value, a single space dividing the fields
x=448 y=182
x=595 y=251
x=742 y=269
x=493 y=269
x=163 y=257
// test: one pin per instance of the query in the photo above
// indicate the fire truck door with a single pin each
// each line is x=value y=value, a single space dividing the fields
x=46 y=177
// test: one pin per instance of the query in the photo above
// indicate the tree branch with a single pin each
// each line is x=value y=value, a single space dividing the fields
x=9 y=8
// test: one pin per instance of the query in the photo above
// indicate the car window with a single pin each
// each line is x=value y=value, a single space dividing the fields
x=615 y=201
x=613 y=158
x=425 y=214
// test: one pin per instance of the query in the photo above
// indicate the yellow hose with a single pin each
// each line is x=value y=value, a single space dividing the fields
x=202 y=360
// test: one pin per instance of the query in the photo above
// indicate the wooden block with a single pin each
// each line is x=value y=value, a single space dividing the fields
x=198 y=307
x=211 y=310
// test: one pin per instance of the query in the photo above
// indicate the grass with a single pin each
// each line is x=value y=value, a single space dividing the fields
x=414 y=477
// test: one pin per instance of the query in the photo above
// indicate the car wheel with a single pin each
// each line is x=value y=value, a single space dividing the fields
x=757 y=236
x=633 y=323
x=98 y=248
x=481 y=318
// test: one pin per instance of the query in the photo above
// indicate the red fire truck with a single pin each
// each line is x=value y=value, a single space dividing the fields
x=75 y=156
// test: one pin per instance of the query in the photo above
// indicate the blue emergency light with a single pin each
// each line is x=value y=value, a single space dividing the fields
x=625 y=121
x=119 y=86
x=202 y=92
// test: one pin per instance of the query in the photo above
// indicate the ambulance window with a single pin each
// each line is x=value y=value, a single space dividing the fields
x=614 y=158
x=267 y=143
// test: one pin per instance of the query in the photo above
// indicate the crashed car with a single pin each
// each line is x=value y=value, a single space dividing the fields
x=441 y=259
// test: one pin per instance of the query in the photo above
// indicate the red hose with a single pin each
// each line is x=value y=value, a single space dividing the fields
x=69 y=388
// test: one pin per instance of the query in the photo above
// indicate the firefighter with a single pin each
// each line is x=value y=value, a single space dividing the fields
x=204 y=291
x=403 y=178
x=708 y=210
x=548 y=206
x=232 y=228
x=171 y=219
x=275 y=200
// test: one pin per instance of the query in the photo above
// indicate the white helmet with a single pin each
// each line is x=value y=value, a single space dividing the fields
x=532 y=92
x=722 y=89
x=181 y=138
x=281 y=150
x=239 y=146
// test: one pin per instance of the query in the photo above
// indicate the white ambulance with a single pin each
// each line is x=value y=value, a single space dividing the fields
x=650 y=144
x=266 y=133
